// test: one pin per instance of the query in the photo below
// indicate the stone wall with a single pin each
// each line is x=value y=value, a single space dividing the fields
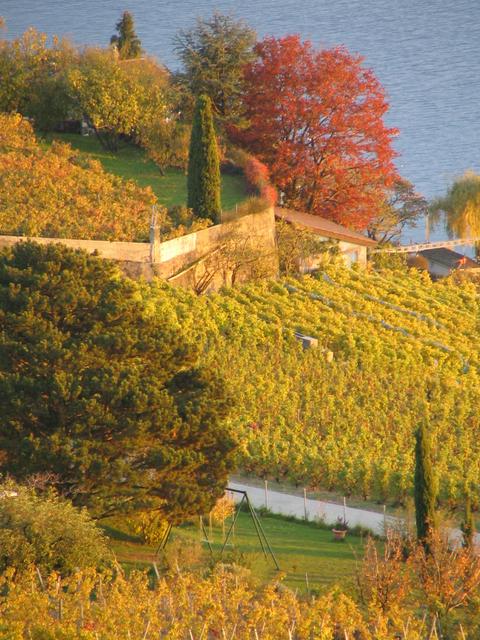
x=237 y=249
x=216 y=254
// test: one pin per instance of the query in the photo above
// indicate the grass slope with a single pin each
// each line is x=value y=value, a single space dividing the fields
x=301 y=549
x=131 y=163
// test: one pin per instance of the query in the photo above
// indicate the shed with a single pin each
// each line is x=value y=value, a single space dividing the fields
x=352 y=245
x=442 y=261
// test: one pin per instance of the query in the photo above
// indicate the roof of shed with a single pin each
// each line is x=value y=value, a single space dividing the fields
x=323 y=227
x=449 y=258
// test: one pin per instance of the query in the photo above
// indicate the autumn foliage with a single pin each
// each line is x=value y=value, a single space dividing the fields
x=55 y=192
x=257 y=177
x=401 y=593
x=316 y=120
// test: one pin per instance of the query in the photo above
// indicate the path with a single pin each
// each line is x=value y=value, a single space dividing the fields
x=292 y=505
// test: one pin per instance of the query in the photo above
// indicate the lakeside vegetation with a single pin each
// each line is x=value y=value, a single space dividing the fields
x=343 y=415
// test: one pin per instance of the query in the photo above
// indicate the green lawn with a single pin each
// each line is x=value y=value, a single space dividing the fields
x=303 y=551
x=130 y=163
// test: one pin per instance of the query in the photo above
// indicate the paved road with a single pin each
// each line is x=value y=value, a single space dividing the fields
x=292 y=505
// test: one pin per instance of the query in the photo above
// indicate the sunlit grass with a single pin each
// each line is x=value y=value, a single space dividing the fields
x=131 y=163
x=307 y=554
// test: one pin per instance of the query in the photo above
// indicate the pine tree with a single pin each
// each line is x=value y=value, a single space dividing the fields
x=203 y=164
x=425 y=485
x=214 y=54
x=127 y=41
x=103 y=394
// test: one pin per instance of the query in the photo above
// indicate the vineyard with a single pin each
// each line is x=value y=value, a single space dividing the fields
x=393 y=349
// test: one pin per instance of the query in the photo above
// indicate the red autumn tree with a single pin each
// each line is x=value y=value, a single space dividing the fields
x=316 y=120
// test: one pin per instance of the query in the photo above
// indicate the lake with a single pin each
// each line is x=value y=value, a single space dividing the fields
x=425 y=53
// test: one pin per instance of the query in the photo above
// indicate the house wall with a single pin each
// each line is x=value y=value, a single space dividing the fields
x=351 y=253
x=438 y=270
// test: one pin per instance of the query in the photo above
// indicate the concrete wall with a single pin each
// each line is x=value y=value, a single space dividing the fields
x=130 y=251
x=187 y=259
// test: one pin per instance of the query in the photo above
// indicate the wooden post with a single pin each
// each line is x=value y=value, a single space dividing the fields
x=266 y=494
x=305 y=503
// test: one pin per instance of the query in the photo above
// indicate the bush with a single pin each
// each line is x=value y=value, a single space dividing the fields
x=256 y=174
x=47 y=531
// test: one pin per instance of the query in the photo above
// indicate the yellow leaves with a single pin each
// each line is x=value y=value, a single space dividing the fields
x=53 y=193
x=16 y=134
x=224 y=508
x=225 y=604
x=461 y=205
x=113 y=95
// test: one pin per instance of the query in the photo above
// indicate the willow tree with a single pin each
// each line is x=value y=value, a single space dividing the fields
x=461 y=206
x=204 y=164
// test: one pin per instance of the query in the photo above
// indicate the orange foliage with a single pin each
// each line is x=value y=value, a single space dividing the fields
x=257 y=176
x=56 y=193
x=316 y=120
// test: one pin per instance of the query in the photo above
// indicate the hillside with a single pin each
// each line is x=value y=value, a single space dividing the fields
x=393 y=348
x=132 y=163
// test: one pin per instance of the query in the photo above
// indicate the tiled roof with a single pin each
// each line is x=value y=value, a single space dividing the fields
x=323 y=227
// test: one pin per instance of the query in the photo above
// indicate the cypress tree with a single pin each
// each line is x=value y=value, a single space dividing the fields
x=127 y=41
x=203 y=164
x=468 y=524
x=425 y=486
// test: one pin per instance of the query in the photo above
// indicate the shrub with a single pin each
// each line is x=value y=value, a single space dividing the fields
x=47 y=531
x=256 y=174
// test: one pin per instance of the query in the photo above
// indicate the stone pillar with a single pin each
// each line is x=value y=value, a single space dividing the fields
x=154 y=237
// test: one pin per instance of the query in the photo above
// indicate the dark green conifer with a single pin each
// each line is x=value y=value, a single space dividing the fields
x=468 y=524
x=127 y=41
x=101 y=393
x=425 y=485
x=203 y=164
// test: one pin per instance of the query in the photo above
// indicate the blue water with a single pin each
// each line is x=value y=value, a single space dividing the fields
x=425 y=53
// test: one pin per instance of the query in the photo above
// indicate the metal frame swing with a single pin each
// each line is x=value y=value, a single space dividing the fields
x=261 y=535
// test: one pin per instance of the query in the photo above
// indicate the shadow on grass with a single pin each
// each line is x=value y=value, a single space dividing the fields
x=117 y=534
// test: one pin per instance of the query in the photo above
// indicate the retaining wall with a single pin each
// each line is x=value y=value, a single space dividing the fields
x=182 y=260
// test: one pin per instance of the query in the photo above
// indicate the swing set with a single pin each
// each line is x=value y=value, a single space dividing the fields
x=245 y=501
